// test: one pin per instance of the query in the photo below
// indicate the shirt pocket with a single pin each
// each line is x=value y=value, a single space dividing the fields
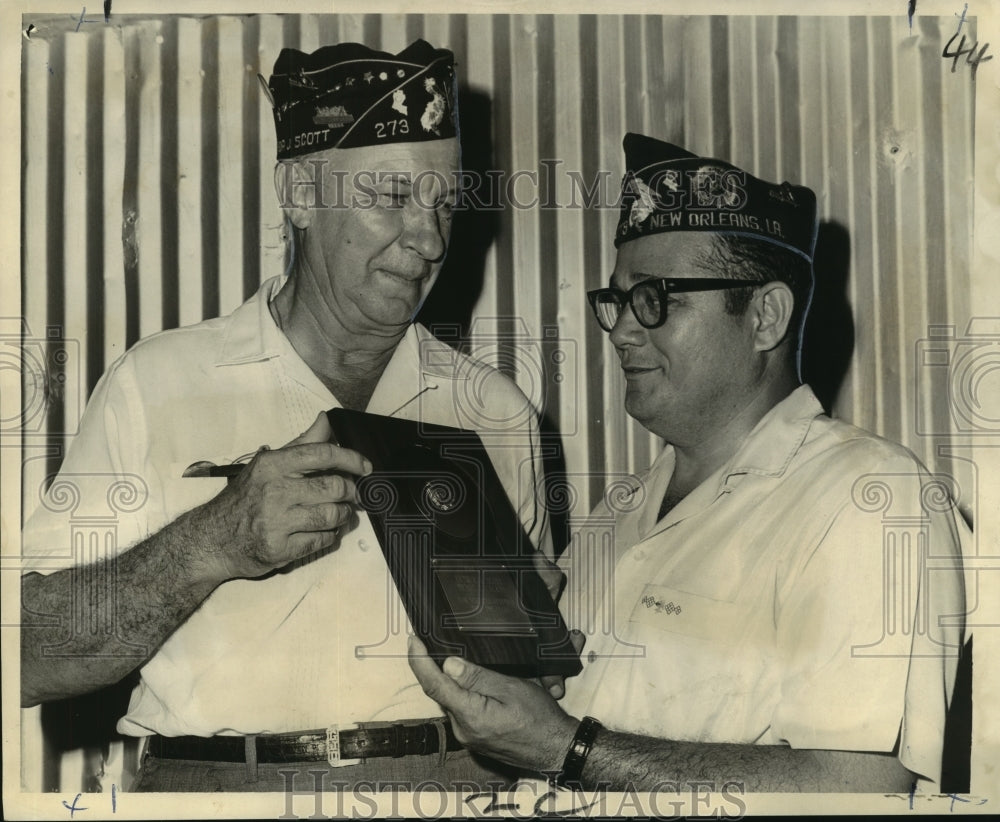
x=701 y=618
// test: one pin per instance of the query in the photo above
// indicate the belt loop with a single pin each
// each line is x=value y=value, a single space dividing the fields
x=250 y=749
x=397 y=740
x=438 y=723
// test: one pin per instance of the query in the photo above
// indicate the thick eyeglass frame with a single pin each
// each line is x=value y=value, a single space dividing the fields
x=663 y=286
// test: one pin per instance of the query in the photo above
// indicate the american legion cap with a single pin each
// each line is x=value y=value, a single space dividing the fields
x=666 y=188
x=348 y=95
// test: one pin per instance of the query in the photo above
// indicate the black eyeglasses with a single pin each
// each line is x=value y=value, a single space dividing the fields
x=648 y=298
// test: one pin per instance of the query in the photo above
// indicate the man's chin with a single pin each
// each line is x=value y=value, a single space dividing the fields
x=635 y=408
x=644 y=410
x=391 y=313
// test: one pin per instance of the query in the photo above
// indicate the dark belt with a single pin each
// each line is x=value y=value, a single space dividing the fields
x=371 y=739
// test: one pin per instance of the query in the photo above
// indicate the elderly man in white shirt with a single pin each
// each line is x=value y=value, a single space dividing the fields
x=260 y=614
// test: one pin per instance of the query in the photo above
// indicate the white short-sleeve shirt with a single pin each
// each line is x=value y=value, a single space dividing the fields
x=322 y=642
x=809 y=593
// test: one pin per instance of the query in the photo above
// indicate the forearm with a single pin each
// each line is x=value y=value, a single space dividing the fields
x=643 y=763
x=87 y=627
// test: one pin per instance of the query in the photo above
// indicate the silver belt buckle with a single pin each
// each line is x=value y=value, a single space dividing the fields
x=333 y=746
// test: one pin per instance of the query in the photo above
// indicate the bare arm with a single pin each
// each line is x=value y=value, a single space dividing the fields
x=518 y=722
x=618 y=760
x=87 y=627
x=84 y=628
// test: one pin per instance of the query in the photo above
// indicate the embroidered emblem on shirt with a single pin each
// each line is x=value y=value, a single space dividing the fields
x=660 y=606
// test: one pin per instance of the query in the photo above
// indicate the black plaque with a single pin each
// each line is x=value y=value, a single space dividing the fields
x=457 y=552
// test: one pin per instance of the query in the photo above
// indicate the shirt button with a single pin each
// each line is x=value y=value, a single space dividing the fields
x=592 y=657
x=362 y=545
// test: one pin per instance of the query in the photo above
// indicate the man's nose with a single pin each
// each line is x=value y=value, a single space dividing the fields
x=425 y=231
x=626 y=330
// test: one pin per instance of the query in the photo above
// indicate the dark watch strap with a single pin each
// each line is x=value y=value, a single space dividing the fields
x=579 y=750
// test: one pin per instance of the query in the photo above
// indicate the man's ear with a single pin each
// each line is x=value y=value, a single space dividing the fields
x=772 y=307
x=295 y=188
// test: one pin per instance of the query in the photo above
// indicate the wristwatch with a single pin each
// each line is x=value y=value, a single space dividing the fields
x=579 y=750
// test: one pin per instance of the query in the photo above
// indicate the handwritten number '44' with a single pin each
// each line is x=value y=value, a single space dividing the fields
x=973 y=61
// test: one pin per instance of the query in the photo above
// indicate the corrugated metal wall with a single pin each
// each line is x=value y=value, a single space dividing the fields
x=148 y=203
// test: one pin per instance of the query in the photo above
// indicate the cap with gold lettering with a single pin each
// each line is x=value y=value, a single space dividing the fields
x=666 y=188
x=349 y=95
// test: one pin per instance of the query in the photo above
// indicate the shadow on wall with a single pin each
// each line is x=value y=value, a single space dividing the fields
x=448 y=309
x=828 y=341
x=88 y=723
x=473 y=230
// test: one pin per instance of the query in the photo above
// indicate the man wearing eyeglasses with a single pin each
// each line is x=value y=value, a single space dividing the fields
x=760 y=626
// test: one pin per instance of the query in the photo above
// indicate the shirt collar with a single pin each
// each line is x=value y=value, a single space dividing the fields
x=776 y=438
x=418 y=364
x=766 y=452
x=437 y=358
x=251 y=334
